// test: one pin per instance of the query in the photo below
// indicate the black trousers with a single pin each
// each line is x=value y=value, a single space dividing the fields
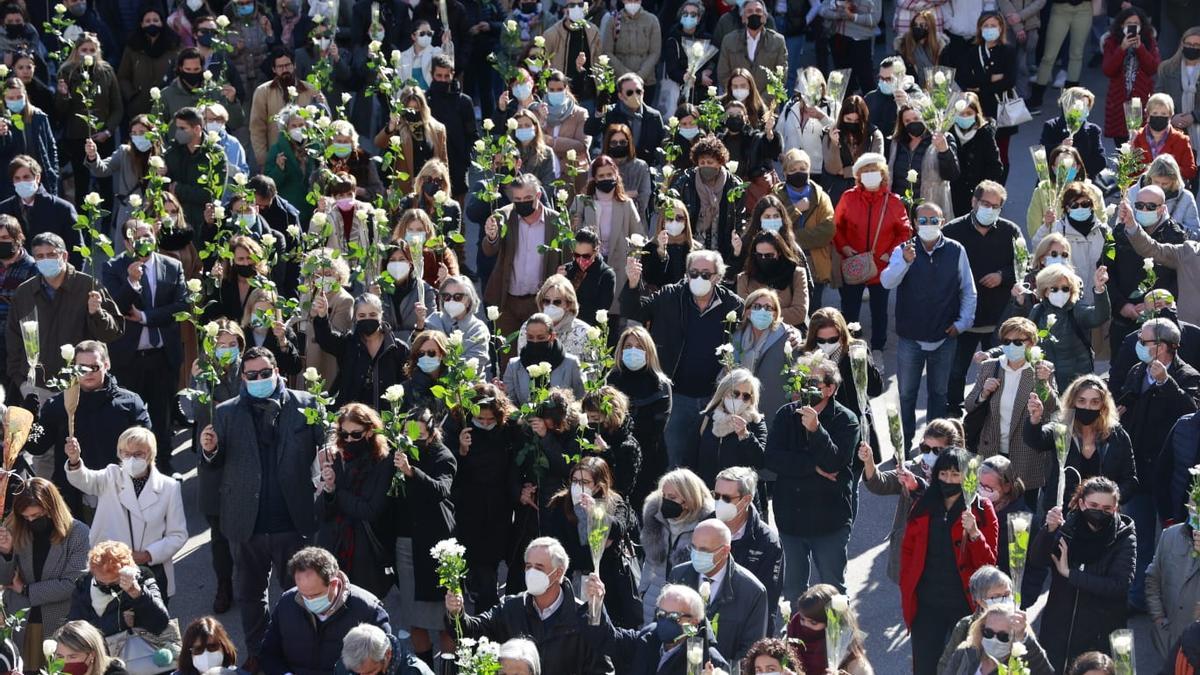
x=222 y=553
x=968 y=344
x=857 y=56
x=930 y=630
x=149 y=375
x=257 y=559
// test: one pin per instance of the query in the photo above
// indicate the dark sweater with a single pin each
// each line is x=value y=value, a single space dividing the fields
x=272 y=515
x=988 y=253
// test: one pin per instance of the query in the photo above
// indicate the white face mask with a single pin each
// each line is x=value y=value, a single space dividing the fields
x=133 y=466
x=575 y=14
x=1004 y=600
x=576 y=493
x=700 y=287
x=734 y=404
x=872 y=180
x=1058 y=298
x=632 y=8
x=423 y=41
x=296 y=134
x=207 y=660
x=740 y=94
x=725 y=511
x=536 y=581
x=399 y=269
x=929 y=233
x=554 y=312
x=829 y=349
x=996 y=649
x=674 y=227
x=455 y=309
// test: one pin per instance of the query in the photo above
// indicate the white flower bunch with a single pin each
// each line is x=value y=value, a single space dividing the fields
x=135 y=201
x=447 y=548
x=539 y=369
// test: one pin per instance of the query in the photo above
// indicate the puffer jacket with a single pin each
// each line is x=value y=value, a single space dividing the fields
x=1113 y=66
x=1069 y=347
x=665 y=545
x=361 y=377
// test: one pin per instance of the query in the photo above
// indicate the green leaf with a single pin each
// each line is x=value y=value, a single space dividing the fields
x=438 y=391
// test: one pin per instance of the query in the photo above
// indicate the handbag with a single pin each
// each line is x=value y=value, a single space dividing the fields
x=860 y=267
x=1011 y=111
x=976 y=418
x=137 y=648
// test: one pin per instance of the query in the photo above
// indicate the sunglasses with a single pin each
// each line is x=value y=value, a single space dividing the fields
x=344 y=435
x=211 y=647
x=1081 y=205
x=728 y=499
x=88 y=367
x=1064 y=289
x=989 y=634
x=827 y=341
x=745 y=396
x=701 y=274
x=1014 y=342
x=631 y=92
x=453 y=297
x=429 y=352
x=929 y=220
x=659 y=615
x=759 y=305
x=580 y=256
x=263 y=374
x=1146 y=206
x=925 y=449
x=557 y=302
x=765 y=256
x=425 y=33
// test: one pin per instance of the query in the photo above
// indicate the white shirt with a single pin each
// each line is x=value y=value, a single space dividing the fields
x=546 y=613
x=1008 y=399
x=715 y=583
x=752 y=43
x=147 y=278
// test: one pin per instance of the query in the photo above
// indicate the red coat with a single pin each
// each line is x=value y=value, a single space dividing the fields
x=1177 y=145
x=971 y=557
x=857 y=216
x=1143 y=83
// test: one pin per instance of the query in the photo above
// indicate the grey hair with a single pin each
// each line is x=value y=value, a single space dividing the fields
x=930 y=206
x=985 y=579
x=732 y=379
x=1164 y=330
x=468 y=288
x=745 y=477
x=523 y=650
x=558 y=554
x=369 y=299
x=711 y=256
x=524 y=181
x=365 y=642
x=687 y=594
x=828 y=370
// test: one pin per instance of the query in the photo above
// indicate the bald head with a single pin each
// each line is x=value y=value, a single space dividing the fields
x=1150 y=207
x=710 y=546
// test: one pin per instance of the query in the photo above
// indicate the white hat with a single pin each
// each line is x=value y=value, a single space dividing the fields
x=869 y=158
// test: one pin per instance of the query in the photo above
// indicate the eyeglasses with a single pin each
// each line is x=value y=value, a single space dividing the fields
x=701 y=274
x=345 y=435
x=1081 y=205
x=929 y=220
x=1014 y=342
x=1146 y=206
x=455 y=297
x=728 y=499
x=759 y=305
x=263 y=374
x=659 y=615
x=745 y=396
x=1002 y=635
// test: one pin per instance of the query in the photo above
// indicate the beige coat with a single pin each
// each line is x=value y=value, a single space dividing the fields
x=437 y=138
x=267 y=102
x=341 y=319
x=771 y=53
x=556 y=44
x=360 y=230
x=793 y=299
x=570 y=136
x=1184 y=259
x=635 y=48
x=625 y=222
x=815 y=237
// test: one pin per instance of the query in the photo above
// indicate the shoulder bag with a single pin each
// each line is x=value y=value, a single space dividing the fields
x=860 y=267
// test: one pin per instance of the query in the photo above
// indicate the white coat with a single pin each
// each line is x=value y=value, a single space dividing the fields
x=153 y=521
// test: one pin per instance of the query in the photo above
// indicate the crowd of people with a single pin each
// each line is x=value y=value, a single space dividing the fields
x=538 y=323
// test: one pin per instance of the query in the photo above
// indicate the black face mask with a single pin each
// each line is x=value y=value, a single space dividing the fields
x=205 y=39
x=360 y=447
x=412 y=115
x=1191 y=53
x=915 y=129
x=949 y=489
x=529 y=7
x=667 y=630
x=767 y=267
x=191 y=79
x=754 y=22
x=439 y=87
x=798 y=180
x=1086 y=416
x=920 y=33
x=1159 y=122
x=606 y=186
x=245 y=271
x=670 y=510
x=152 y=31
x=735 y=124
x=430 y=188
x=41 y=525
x=618 y=150
x=14 y=32
x=1097 y=518
x=365 y=327
x=848 y=128
x=7 y=249
x=525 y=209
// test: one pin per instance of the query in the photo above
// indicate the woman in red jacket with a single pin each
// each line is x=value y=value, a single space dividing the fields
x=1158 y=137
x=869 y=217
x=1130 y=64
x=944 y=543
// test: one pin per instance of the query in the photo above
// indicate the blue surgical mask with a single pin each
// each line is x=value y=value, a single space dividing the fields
x=964 y=122
x=50 y=267
x=1071 y=173
x=633 y=358
x=1080 y=214
x=140 y=142
x=16 y=106
x=429 y=364
x=986 y=215
x=689 y=132
x=761 y=318
x=525 y=134
x=261 y=388
x=886 y=88
x=1143 y=352
x=227 y=354
x=245 y=10
x=990 y=34
x=247 y=220
x=1146 y=218
x=318 y=605
x=689 y=22
x=25 y=189
x=772 y=224
x=556 y=98
x=1014 y=352
x=522 y=91
x=342 y=149
x=702 y=561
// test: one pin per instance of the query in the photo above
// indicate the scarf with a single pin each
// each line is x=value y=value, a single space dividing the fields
x=1087 y=545
x=555 y=116
x=710 y=203
x=100 y=599
x=967 y=135
x=751 y=348
x=813 y=653
x=1130 y=68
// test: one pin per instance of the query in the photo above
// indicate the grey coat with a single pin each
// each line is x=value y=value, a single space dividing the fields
x=1172 y=587
x=208 y=475
x=237 y=455
x=965 y=659
x=664 y=547
x=768 y=368
x=476 y=335
x=566 y=376
x=888 y=483
x=740 y=602
x=126 y=180
x=65 y=562
x=404 y=325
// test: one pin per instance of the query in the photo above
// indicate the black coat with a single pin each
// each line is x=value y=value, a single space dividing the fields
x=1126 y=358
x=297 y=642
x=1084 y=608
x=565 y=641
x=352 y=521
x=1087 y=141
x=594 y=288
x=169 y=298
x=979 y=64
x=361 y=377
x=623 y=455
x=1151 y=411
x=47 y=214
x=637 y=652
x=1125 y=272
x=979 y=159
x=649 y=408
x=483 y=501
x=424 y=513
x=1116 y=462
x=731 y=216
x=286 y=353
x=760 y=552
x=707 y=454
x=807 y=503
x=847 y=395
x=148 y=609
x=650 y=139
x=455 y=110
x=739 y=605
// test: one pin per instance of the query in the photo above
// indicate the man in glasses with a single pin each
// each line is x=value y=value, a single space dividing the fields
x=631 y=109
x=1127 y=271
x=755 y=544
x=1183 y=257
x=105 y=411
x=928 y=323
x=687 y=321
x=265 y=448
x=661 y=647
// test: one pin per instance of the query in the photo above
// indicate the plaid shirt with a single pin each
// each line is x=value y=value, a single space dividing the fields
x=12 y=276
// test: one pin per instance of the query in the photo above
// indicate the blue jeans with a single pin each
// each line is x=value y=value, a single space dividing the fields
x=911 y=362
x=795 y=49
x=852 y=307
x=1145 y=521
x=827 y=553
x=681 y=426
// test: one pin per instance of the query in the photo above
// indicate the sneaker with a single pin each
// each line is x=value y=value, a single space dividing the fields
x=1060 y=79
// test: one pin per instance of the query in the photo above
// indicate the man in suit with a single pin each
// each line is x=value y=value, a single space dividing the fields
x=758 y=48
x=37 y=210
x=520 y=268
x=729 y=589
x=149 y=288
x=265 y=448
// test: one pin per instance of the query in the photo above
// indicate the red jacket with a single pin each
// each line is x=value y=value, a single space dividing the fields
x=1143 y=83
x=1177 y=145
x=857 y=216
x=972 y=556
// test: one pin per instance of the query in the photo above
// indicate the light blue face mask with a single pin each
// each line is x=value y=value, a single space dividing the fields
x=245 y=10
x=25 y=189
x=1146 y=218
x=140 y=142
x=50 y=267
x=689 y=132
x=1080 y=214
x=261 y=388
x=556 y=99
x=689 y=22
x=772 y=224
x=633 y=358
x=990 y=34
x=525 y=134
x=886 y=88
x=1143 y=352
x=986 y=215
x=247 y=220
x=761 y=318
x=342 y=149
x=1071 y=173
x=429 y=364
x=703 y=562
x=964 y=122
x=1014 y=352
x=227 y=355
x=318 y=605
x=522 y=91
x=16 y=106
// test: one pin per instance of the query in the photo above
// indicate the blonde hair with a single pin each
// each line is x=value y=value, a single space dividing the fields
x=795 y=155
x=557 y=282
x=110 y=556
x=647 y=345
x=607 y=396
x=772 y=298
x=693 y=491
x=1049 y=241
x=81 y=636
x=1163 y=100
x=975 y=634
x=1165 y=166
x=321 y=258
x=1109 y=418
x=409 y=216
x=1052 y=274
x=732 y=379
x=141 y=437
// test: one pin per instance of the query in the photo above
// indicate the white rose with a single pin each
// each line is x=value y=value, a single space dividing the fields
x=222 y=21
x=59 y=9
x=912 y=176
x=1051 y=320
x=268 y=240
x=668 y=171
x=3 y=70
x=1017 y=650
x=135 y=201
x=939 y=78
x=67 y=352
x=712 y=91
x=292 y=92
x=1035 y=353
x=732 y=166
x=319 y=219
x=1040 y=156
x=473 y=364
x=602 y=316
x=510 y=26
x=960 y=105
x=311 y=374
x=1020 y=524
x=218 y=212
x=839 y=603
x=240 y=178
x=705 y=591
x=571 y=155
x=455 y=339
x=1148 y=264
x=213 y=137
x=86 y=75
x=637 y=240
x=723 y=349
x=194 y=285
x=539 y=41
x=1122 y=644
x=379 y=215
x=156 y=162
x=88 y=60
x=511 y=124
x=155 y=93
x=1068 y=161
x=293 y=231
x=593 y=333
x=207 y=76
x=394 y=393
x=347 y=97
x=835 y=78
x=602 y=60
x=493 y=312
x=92 y=199
x=440 y=197
x=211 y=329
x=488 y=124
x=731 y=317
x=374 y=47
x=480 y=146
